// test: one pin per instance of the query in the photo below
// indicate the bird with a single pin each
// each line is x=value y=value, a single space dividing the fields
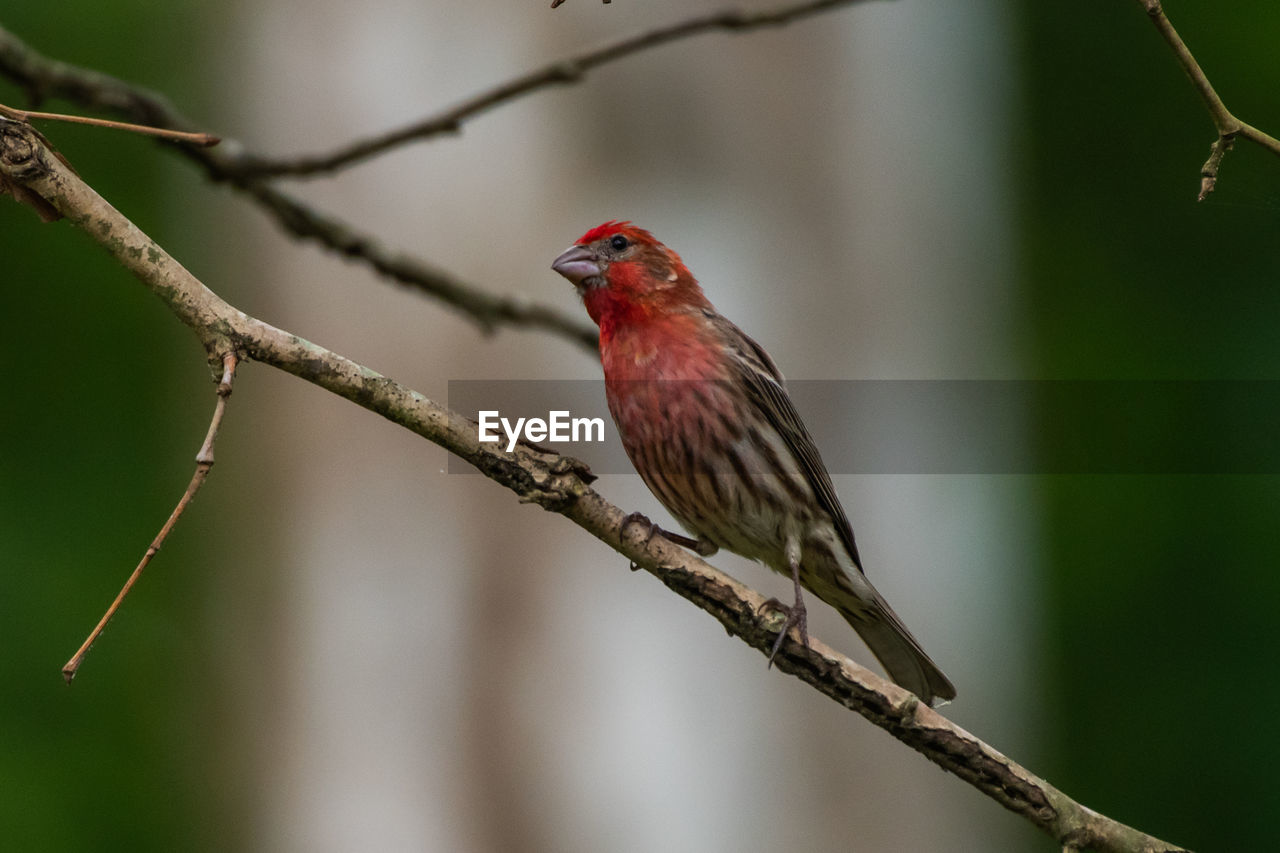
x=705 y=418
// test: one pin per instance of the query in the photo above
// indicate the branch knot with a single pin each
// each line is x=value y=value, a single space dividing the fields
x=20 y=147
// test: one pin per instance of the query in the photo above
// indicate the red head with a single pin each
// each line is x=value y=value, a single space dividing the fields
x=626 y=276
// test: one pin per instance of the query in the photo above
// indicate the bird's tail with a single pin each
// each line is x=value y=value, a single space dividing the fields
x=898 y=652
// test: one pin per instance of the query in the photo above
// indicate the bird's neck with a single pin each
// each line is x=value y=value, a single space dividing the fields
x=662 y=345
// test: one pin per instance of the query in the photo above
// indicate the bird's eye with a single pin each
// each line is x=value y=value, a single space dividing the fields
x=619 y=243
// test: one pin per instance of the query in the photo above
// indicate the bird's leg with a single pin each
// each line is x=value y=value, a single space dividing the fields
x=700 y=546
x=796 y=616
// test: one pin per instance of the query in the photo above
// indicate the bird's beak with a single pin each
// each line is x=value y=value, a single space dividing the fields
x=577 y=263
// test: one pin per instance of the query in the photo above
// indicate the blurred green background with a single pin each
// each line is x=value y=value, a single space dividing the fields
x=1162 y=589
x=1154 y=639
x=99 y=431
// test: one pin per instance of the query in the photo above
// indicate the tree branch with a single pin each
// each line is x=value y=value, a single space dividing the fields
x=1229 y=127
x=569 y=70
x=560 y=484
x=42 y=78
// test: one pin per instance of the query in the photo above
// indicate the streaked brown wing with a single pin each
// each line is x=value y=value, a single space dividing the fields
x=764 y=384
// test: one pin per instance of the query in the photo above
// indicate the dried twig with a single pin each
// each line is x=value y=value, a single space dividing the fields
x=204 y=462
x=561 y=485
x=1229 y=127
x=204 y=139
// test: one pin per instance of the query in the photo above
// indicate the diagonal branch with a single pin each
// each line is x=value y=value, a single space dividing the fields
x=43 y=78
x=569 y=70
x=560 y=484
x=488 y=311
x=1229 y=127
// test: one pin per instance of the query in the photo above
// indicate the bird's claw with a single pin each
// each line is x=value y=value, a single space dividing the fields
x=797 y=617
x=639 y=518
x=701 y=547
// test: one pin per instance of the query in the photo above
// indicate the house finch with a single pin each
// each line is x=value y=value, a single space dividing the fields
x=706 y=421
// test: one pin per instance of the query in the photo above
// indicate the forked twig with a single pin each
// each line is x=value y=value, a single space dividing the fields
x=204 y=462
x=1229 y=127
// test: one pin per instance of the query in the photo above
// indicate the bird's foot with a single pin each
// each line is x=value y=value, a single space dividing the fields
x=638 y=518
x=701 y=547
x=797 y=618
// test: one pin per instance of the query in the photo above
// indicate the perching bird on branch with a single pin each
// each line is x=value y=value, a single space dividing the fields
x=706 y=421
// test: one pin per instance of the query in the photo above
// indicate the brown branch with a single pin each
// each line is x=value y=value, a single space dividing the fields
x=1229 y=127
x=560 y=484
x=569 y=70
x=204 y=463
x=43 y=78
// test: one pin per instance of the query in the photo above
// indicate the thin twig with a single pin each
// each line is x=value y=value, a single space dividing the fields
x=560 y=484
x=569 y=70
x=1229 y=127
x=204 y=462
x=202 y=139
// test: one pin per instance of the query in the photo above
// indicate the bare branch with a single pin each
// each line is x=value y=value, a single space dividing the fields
x=43 y=77
x=569 y=70
x=233 y=163
x=560 y=484
x=1229 y=127
x=486 y=310
x=204 y=463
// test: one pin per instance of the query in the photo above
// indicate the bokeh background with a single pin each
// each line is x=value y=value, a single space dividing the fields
x=343 y=647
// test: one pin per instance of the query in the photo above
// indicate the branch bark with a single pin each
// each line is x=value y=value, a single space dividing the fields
x=560 y=484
